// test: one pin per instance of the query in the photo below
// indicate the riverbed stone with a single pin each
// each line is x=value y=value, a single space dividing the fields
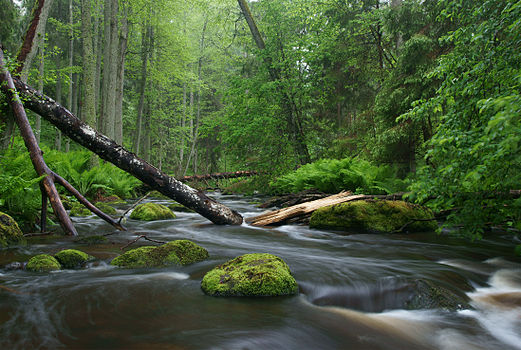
x=428 y=295
x=374 y=216
x=151 y=212
x=43 y=263
x=10 y=233
x=179 y=252
x=251 y=275
x=72 y=258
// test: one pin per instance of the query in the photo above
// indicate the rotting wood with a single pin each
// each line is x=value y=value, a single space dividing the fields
x=215 y=176
x=110 y=151
x=286 y=215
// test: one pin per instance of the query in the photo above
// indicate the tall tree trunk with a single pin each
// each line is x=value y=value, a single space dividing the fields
x=58 y=97
x=118 y=114
x=109 y=111
x=106 y=64
x=146 y=35
x=33 y=38
x=38 y=121
x=71 y=63
x=88 y=105
x=294 y=124
x=96 y=44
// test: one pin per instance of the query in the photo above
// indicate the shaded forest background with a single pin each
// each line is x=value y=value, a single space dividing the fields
x=372 y=95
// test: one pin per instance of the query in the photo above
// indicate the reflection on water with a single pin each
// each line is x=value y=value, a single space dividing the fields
x=353 y=290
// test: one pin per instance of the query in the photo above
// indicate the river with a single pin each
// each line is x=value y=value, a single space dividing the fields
x=349 y=295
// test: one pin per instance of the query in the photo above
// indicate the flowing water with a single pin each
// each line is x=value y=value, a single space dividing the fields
x=352 y=292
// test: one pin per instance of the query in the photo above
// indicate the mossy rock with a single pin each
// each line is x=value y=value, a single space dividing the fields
x=157 y=194
x=43 y=263
x=72 y=258
x=10 y=233
x=179 y=208
x=151 y=211
x=251 y=275
x=374 y=215
x=427 y=295
x=107 y=209
x=79 y=210
x=180 y=252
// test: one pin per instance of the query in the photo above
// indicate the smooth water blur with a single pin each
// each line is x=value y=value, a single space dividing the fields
x=352 y=289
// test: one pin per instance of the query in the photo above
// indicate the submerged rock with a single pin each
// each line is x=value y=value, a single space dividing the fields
x=252 y=275
x=72 y=258
x=427 y=295
x=42 y=263
x=151 y=211
x=107 y=209
x=10 y=233
x=374 y=215
x=79 y=210
x=180 y=252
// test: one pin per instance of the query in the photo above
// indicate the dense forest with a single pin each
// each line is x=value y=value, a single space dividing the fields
x=371 y=96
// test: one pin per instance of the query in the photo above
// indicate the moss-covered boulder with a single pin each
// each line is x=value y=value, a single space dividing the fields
x=72 y=258
x=79 y=210
x=251 y=275
x=10 y=233
x=375 y=216
x=107 y=209
x=43 y=263
x=179 y=208
x=151 y=211
x=180 y=252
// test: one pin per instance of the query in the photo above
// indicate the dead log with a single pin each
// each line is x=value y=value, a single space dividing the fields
x=110 y=151
x=290 y=214
x=216 y=176
x=47 y=185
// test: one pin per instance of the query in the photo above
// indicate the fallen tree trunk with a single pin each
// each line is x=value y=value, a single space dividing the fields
x=227 y=175
x=285 y=215
x=47 y=185
x=110 y=151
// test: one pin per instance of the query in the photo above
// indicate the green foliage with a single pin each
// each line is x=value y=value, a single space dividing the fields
x=474 y=155
x=332 y=176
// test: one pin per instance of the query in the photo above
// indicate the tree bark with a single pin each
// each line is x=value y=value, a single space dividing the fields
x=33 y=37
x=108 y=150
x=118 y=114
x=88 y=105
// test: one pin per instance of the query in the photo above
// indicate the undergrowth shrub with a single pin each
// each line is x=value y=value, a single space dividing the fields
x=335 y=175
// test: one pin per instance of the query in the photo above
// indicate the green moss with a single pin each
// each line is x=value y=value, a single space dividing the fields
x=157 y=194
x=151 y=211
x=92 y=240
x=250 y=275
x=179 y=208
x=374 y=215
x=79 y=210
x=10 y=233
x=180 y=252
x=107 y=209
x=72 y=258
x=43 y=262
